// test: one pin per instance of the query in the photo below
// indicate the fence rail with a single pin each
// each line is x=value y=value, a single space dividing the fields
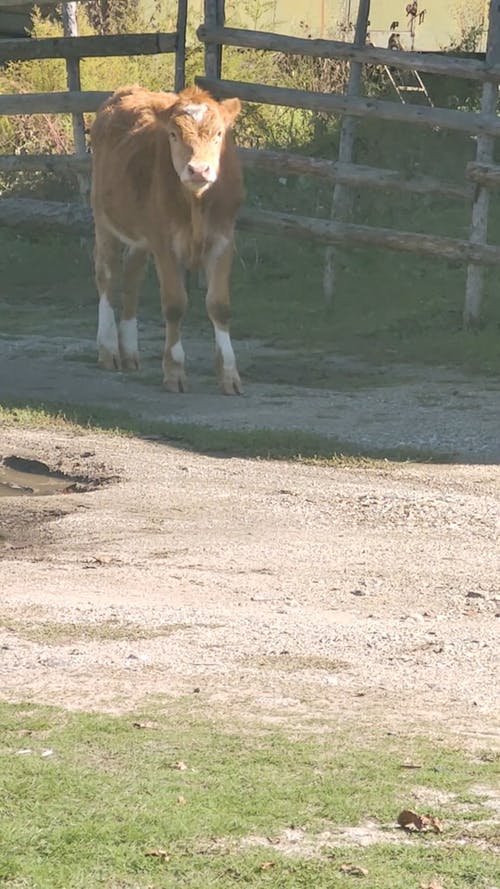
x=430 y=63
x=468 y=122
x=75 y=218
x=486 y=174
x=20 y=49
x=355 y=175
x=70 y=102
x=26 y=2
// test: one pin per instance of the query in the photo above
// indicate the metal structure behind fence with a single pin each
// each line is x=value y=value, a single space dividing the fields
x=480 y=176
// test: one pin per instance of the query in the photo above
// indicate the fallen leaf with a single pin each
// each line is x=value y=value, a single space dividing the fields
x=436 y=824
x=354 y=870
x=432 y=885
x=47 y=753
x=158 y=853
x=267 y=865
x=413 y=821
x=181 y=800
x=180 y=766
x=145 y=724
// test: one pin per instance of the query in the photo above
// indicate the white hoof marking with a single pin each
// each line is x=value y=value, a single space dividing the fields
x=223 y=343
x=177 y=352
x=107 y=333
x=129 y=342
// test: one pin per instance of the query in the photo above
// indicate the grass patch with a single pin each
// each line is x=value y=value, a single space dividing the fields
x=268 y=444
x=53 y=633
x=291 y=663
x=86 y=815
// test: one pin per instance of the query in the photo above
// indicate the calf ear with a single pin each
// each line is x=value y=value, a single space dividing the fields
x=230 y=109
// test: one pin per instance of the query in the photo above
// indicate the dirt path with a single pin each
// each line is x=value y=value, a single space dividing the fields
x=284 y=592
x=436 y=410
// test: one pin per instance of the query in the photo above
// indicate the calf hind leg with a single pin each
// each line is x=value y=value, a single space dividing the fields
x=135 y=264
x=218 y=269
x=174 y=302
x=107 y=256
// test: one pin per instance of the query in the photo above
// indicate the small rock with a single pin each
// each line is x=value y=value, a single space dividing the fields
x=472 y=594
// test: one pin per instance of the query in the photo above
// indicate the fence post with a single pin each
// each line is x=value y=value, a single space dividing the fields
x=180 y=50
x=70 y=28
x=215 y=17
x=342 y=197
x=484 y=155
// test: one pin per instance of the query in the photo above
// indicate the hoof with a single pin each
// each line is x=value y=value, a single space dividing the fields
x=108 y=360
x=130 y=362
x=175 y=380
x=230 y=383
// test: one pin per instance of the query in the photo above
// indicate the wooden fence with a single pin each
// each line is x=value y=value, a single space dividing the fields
x=344 y=174
x=72 y=49
x=484 y=125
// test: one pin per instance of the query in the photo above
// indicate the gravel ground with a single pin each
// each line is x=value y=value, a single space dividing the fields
x=437 y=410
x=282 y=592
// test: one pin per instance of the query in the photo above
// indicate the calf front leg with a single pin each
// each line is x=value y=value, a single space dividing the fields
x=174 y=302
x=218 y=269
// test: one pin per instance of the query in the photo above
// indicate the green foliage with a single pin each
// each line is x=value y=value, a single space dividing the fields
x=468 y=41
x=35 y=133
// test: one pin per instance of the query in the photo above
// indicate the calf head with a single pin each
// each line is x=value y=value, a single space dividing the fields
x=197 y=126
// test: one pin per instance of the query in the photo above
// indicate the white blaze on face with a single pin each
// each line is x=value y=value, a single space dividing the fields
x=107 y=333
x=196 y=161
x=196 y=110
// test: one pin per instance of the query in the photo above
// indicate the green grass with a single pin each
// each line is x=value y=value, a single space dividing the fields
x=391 y=308
x=258 y=443
x=86 y=815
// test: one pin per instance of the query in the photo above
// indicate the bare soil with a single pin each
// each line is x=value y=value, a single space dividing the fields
x=303 y=595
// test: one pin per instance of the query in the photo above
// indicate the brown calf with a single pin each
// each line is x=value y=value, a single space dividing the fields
x=166 y=180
